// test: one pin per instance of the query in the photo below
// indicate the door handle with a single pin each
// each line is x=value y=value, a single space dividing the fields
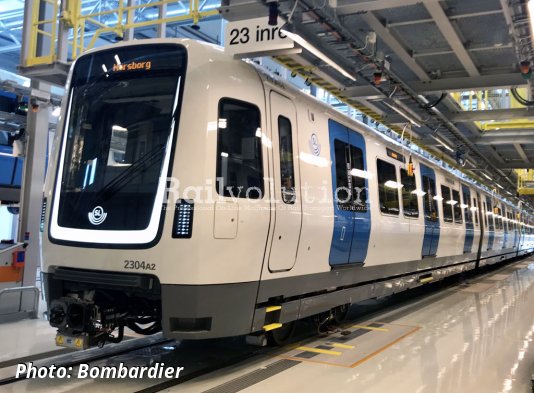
x=343 y=229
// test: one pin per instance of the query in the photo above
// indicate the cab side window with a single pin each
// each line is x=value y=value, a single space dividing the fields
x=287 y=170
x=239 y=150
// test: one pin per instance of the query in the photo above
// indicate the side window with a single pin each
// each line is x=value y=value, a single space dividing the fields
x=475 y=211
x=489 y=215
x=496 y=213
x=485 y=215
x=388 y=187
x=5 y=139
x=239 y=157
x=409 y=195
x=446 y=203
x=455 y=202
x=343 y=179
x=430 y=203
x=466 y=208
x=359 y=191
x=287 y=170
x=351 y=193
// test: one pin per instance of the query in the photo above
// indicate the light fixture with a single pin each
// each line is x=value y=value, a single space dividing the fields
x=486 y=176
x=316 y=52
x=393 y=184
x=360 y=173
x=442 y=143
x=403 y=114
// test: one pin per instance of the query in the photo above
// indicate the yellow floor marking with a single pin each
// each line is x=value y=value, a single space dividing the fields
x=370 y=328
x=341 y=345
x=317 y=350
x=385 y=347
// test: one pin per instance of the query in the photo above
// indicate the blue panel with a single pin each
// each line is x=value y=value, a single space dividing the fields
x=491 y=229
x=469 y=228
x=362 y=219
x=17 y=181
x=7 y=165
x=505 y=230
x=343 y=219
x=432 y=228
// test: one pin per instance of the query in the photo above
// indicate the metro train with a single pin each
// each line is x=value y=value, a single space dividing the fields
x=196 y=194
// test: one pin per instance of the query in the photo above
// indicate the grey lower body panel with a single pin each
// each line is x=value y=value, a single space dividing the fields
x=352 y=275
x=208 y=311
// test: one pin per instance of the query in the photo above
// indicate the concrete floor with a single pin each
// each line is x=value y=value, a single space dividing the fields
x=470 y=337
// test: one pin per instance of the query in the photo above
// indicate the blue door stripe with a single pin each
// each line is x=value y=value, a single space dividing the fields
x=352 y=229
x=432 y=228
x=469 y=228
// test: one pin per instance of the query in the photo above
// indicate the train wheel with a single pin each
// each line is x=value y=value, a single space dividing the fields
x=282 y=335
x=340 y=313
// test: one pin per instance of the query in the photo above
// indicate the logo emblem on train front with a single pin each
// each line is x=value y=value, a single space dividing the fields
x=315 y=146
x=97 y=216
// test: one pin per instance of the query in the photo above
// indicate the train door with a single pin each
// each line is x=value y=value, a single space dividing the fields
x=352 y=218
x=504 y=226
x=469 y=227
x=491 y=227
x=432 y=229
x=287 y=201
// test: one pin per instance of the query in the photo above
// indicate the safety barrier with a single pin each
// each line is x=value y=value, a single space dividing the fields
x=21 y=314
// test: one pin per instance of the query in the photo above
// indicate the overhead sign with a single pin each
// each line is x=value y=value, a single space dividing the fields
x=253 y=36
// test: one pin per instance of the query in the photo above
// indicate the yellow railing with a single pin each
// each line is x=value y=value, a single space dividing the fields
x=43 y=30
x=480 y=100
x=525 y=181
x=72 y=18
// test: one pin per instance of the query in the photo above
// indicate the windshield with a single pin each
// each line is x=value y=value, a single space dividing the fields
x=123 y=106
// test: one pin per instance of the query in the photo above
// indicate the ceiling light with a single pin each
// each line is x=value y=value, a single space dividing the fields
x=403 y=114
x=316 y=52
x=486 y=176
x=442 y=143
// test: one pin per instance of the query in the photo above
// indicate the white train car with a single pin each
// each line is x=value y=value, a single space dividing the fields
x=193 y=193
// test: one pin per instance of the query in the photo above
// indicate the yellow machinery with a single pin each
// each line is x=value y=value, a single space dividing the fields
x=525 y=181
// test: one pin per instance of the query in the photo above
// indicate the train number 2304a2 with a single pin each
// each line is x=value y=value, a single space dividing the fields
x=139 y=265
